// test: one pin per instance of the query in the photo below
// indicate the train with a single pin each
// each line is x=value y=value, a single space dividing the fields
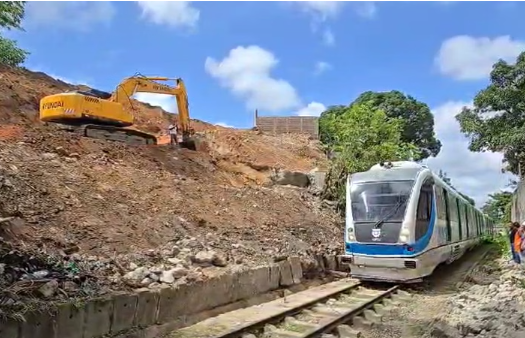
x=402 y=221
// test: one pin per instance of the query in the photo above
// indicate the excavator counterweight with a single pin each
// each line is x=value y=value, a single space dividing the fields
x=102 y=115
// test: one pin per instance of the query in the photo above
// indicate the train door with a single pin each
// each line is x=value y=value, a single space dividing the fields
x=447 y=216
x=424 y=208
x=467 y=221
x=443 y=217
x=460 y=221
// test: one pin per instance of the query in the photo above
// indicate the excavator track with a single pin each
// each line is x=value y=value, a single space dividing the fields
x=110 y=133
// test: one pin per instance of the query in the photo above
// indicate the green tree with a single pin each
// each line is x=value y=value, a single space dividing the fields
x=443 y=175
x=418 y=121
x=498 y=206
x=497 y=120
x=361 y=136
x=11 y=15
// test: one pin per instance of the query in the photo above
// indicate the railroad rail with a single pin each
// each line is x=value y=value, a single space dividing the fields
x=331 y=310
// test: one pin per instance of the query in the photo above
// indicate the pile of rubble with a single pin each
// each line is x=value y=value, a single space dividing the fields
x=36 y=277
x=490 y=306
x=81 y=217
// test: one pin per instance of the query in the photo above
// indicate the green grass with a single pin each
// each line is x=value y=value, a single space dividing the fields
x=500 y=242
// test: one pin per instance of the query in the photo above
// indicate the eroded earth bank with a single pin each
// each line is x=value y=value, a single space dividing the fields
x=81 y=217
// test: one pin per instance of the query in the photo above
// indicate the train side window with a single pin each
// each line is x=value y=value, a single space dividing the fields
x=467 y=220
x=424 y=208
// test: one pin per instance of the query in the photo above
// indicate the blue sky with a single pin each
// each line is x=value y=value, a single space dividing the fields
x=288 y=58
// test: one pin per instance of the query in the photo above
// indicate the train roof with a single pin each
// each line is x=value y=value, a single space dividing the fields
x=402 y=171
x=391 y=171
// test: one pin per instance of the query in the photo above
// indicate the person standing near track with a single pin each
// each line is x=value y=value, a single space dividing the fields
x=514 y=227
x=521 y=233
x=519 y=243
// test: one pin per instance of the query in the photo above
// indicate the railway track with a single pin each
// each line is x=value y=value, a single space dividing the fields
x=332 y=310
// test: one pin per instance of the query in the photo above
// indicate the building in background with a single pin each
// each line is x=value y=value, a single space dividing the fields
x=308 y=125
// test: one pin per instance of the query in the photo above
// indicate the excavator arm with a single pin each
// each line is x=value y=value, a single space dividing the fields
x=141 y=84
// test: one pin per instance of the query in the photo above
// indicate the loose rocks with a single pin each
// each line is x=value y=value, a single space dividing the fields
x=492 y=309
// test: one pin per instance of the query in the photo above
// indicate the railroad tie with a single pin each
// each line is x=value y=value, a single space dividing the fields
x=361 y=322
x=401 y=296
x=371 y=316
x=346 y=331
x=390 y=302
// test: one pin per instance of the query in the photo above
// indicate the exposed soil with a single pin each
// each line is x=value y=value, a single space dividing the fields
x=104 y=198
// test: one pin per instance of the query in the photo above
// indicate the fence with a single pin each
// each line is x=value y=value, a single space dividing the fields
x=290 y=124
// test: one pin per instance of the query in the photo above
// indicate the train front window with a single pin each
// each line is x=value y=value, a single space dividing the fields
x=372 y=202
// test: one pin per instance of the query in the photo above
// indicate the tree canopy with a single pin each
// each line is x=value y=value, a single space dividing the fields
x=11 y=15
x=417 y=120
x=496 y=122
x=498 y=206
x=361 y=136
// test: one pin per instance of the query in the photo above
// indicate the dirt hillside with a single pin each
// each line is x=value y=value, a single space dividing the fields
x=60 y=191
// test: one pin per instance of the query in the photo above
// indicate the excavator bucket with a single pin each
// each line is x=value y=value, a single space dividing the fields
x=188 y=144
x=188 y=140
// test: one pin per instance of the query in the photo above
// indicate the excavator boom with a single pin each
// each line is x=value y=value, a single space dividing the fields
x=141 y=84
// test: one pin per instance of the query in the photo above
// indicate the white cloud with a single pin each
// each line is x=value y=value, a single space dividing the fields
x=166 y=102
x=246 y=71
x=328 y=37
x=321 y=10
x=312 y=109
x=224 y=124
x=80 y=15
x=464 y=57
x=366 y=9
x=326 y=10
x=177 y=14
x=321 y=67
x=474 y=174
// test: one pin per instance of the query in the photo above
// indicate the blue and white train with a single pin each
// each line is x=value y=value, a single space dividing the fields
x=402 y=221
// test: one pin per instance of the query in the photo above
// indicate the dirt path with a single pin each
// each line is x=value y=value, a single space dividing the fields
x=414 y=320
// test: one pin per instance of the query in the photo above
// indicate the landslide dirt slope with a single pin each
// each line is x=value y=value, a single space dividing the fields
x=58 y=190
x=21 y=91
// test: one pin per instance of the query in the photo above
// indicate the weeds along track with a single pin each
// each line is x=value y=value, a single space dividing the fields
x=336 y=309
x=451 y=277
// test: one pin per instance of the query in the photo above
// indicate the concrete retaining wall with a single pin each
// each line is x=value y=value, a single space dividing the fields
x=151 y=313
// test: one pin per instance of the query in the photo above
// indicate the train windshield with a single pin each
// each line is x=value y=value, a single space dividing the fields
x=374 y=201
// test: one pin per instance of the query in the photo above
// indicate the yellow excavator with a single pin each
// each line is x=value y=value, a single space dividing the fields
x=98 y=114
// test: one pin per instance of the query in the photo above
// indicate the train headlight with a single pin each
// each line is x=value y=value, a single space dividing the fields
x=405 y=234
x=350 y=234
